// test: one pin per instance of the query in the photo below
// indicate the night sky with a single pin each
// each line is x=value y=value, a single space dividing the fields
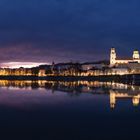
x=67 y=30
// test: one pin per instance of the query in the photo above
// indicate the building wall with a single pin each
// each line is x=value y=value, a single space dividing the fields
x=113 y=58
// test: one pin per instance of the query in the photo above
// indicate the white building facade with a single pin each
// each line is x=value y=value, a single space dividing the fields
x=114 y=60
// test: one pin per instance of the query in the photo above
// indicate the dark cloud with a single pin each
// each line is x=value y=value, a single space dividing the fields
x=64 y=30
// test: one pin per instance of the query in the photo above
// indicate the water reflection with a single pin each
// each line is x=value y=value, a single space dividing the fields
x=116 y=91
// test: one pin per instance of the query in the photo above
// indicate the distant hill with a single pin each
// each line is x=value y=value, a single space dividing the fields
x=106 y=62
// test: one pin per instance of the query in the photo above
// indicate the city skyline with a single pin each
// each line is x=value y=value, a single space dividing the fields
x=112 y=57
x=69 y=69
x=61 y=31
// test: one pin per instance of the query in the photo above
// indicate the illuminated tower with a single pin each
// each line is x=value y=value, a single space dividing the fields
x=136 y=54
x=112 y=56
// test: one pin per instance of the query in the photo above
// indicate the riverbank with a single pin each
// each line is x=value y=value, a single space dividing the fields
x=116 y=78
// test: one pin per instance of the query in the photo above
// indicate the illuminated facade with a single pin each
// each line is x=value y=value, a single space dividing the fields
x=42 y=73
x=15 y=72
x=115 y=60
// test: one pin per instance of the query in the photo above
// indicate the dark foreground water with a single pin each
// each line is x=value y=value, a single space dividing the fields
x=41 y=110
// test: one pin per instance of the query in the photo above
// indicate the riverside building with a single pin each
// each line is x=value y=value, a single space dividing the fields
x=115 y=60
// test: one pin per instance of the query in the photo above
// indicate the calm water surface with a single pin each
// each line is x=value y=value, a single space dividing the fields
x=45 y=110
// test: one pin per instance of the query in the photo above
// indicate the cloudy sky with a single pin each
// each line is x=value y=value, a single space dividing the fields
x=64 y=30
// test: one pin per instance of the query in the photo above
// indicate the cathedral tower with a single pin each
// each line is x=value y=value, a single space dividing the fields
x=112 y=56
x=136 y=54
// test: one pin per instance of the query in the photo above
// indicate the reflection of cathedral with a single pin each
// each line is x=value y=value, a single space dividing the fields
x=115 y=91
x=114 y=95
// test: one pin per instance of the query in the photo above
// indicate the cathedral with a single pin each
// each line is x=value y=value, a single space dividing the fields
x=115 y=60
